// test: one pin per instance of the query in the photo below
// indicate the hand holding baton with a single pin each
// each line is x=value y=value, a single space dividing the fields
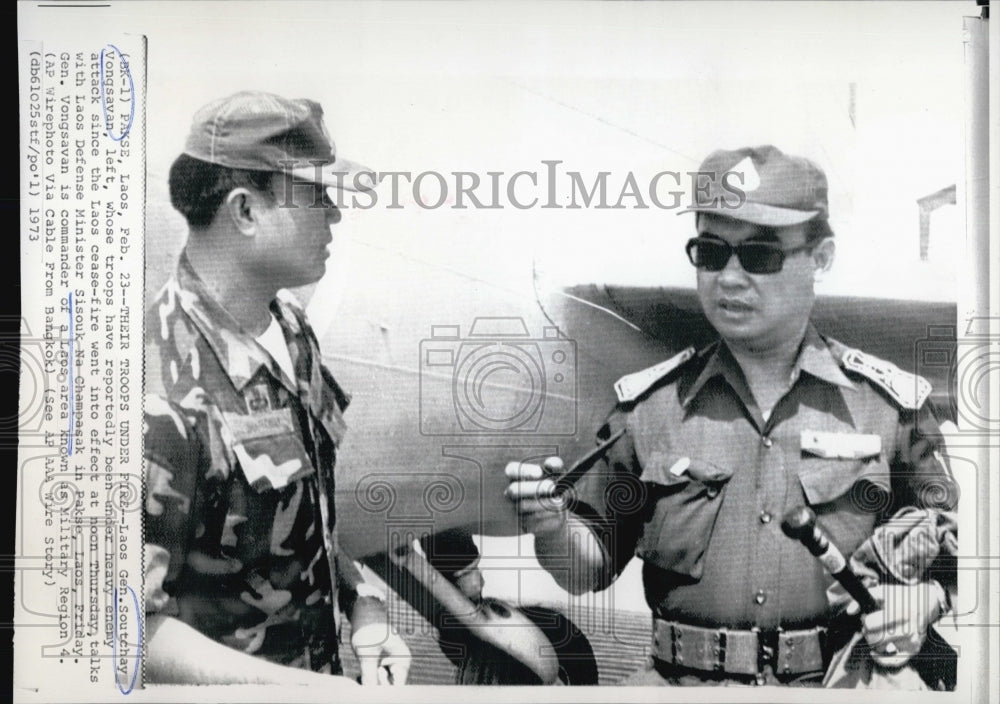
x=800 y=524
x=565 y=481
x=539 y=491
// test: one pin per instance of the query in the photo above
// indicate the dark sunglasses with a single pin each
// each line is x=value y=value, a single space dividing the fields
x=755 y=257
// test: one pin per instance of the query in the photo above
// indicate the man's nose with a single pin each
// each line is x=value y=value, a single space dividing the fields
x=333 y=214
x=733 y=273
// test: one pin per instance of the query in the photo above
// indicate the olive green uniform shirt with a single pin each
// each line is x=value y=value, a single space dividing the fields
x=698 y=484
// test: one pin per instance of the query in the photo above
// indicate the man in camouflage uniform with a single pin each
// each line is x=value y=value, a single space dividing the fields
x=243 y=420
x=707 y=451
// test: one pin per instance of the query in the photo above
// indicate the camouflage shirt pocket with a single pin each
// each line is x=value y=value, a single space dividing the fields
x=685 y=497
x=269 y=448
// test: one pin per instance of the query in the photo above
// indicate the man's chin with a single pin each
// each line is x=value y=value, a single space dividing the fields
x=735 y=330
x=305 y=282
x=318 y=273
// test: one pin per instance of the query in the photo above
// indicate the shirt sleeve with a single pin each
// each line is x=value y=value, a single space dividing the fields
x=174 y=460
x=921 y=476
x=611 y=499
x=922 y=479
x=360 y=600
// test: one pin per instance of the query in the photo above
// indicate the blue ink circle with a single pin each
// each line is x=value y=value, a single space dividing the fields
x=104 y=100
x=114 y=643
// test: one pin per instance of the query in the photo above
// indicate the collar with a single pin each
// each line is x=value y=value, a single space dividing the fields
x=818 y=358
x=815 y=358
x=240 y=355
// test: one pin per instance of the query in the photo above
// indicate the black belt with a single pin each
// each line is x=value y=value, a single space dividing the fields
x=741 y=652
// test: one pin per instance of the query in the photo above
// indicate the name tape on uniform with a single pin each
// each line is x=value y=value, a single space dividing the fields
x=840 y=445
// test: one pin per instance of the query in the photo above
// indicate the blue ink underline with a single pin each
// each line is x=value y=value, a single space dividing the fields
x=72 y=403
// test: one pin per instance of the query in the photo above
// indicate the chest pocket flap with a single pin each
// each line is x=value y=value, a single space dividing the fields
x=686 y=494
x=675 y=468
x=833 y=463
x=268 y=448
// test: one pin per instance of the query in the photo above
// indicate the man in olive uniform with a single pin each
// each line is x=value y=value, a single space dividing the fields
x=708 y=450
x=244 y=580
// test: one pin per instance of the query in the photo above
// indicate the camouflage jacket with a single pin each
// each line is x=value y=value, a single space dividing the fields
x=239 y=513
x=698 y=484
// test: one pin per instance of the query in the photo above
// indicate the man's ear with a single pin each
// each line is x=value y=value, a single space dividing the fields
x=241 y=208
x=822 y=256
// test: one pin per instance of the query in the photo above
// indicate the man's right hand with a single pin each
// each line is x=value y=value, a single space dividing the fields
x=532 y=489
x=559 y=534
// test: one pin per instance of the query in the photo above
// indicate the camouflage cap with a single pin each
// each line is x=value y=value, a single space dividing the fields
x=778 y=189
x=265 y=132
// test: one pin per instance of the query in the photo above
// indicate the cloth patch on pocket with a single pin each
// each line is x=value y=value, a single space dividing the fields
x=680 y=466
x=268 y=448
x=259 y=425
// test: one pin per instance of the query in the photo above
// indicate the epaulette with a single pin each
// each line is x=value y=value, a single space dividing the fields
x=632 y=386
x=908 y=390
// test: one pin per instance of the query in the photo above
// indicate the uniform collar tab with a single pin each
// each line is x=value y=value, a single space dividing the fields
x=715 y=365
x=818 y=358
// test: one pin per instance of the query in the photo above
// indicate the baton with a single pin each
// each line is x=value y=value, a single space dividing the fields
x=800 y=524
x=566 y=480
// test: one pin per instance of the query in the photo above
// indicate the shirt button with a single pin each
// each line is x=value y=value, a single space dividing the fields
x=765 y=517
x=760 y=597
x=767 y=441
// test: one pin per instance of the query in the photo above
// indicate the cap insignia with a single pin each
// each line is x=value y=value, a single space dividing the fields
x=751 y=179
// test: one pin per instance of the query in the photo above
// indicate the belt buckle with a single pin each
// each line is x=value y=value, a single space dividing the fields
x=767 y=652
x=802 y=651
x=719 y=650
